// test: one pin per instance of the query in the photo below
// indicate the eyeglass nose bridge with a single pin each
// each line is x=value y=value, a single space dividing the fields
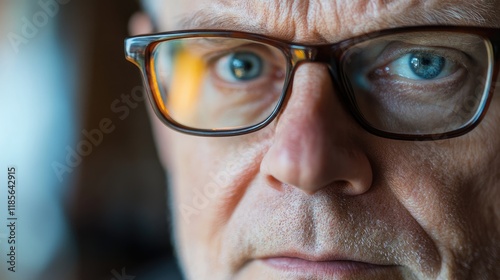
x=301 y=53
x=329 y=55
x=326 y=54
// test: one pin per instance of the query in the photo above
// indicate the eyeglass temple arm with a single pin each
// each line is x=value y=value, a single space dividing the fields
x=135 y=50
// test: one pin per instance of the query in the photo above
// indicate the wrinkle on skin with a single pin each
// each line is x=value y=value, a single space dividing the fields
x=240 y=173
x=336 y=222
x=449 y=184
x=305 y=21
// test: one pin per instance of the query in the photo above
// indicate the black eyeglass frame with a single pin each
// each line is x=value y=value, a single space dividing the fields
x=139 y=50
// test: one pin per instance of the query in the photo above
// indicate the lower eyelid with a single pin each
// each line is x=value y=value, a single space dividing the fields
x=409 y=88
x=265 y=79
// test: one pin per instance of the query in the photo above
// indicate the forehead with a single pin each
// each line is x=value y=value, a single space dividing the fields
x=318 y=21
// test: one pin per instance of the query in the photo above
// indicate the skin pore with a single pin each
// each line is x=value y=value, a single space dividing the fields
x=313 y=184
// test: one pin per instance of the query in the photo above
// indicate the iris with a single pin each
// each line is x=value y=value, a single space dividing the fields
x=426 y=66
x=245 y=66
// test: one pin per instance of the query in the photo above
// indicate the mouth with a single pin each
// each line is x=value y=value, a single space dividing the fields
x=332 y=267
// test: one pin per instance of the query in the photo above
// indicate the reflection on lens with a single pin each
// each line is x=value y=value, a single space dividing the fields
x=218 y=83
x=418 y=83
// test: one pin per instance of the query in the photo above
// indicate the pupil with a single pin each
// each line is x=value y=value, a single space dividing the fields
x=245 y=66
x=427 y=66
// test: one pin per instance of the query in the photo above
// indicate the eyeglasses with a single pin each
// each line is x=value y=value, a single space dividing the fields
x=413 y=83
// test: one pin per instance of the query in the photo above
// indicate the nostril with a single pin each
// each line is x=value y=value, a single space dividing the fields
x=341 y=187
x=274 y=183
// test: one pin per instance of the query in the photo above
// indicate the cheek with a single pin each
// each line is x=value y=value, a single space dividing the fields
x=430 y=192
x=192 y=199
x=449 y=187
x=208 y=177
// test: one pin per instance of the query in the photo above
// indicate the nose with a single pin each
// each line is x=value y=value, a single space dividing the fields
x=313 y=147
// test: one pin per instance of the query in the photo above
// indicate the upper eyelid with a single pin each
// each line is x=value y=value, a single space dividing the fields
x=391 y=53
x=259 y=49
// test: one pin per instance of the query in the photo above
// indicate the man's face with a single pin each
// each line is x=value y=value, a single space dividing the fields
x=313 y=195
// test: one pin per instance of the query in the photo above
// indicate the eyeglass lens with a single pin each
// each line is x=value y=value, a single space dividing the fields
x=219 y=83
x=408 y=83
x=419 y=83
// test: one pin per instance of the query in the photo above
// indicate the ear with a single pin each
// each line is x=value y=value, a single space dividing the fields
x=140 y=23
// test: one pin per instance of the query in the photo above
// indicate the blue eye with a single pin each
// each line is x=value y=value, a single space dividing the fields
x=241 y=66
x=426 y=66
x=421 y=65
x=245 y=66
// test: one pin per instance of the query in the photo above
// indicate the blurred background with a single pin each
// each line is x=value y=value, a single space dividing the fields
x=90 y=192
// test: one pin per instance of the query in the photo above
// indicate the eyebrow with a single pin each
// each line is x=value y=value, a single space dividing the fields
x=477 y=13
x=473 y=13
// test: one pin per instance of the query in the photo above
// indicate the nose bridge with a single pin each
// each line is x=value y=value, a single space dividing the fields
x=311 y=148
